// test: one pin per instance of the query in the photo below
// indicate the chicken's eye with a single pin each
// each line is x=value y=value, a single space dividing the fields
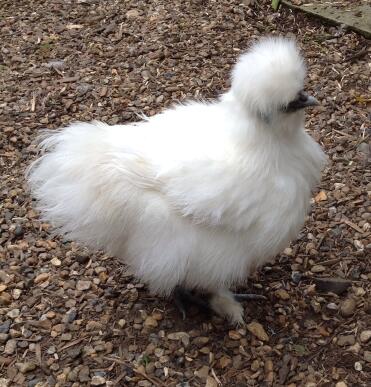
x=301 y=101
x=302 y=96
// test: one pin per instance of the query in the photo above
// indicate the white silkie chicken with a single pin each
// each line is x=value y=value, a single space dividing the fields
x=198 y=196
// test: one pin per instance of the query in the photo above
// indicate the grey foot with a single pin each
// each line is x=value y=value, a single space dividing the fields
x=184 y=298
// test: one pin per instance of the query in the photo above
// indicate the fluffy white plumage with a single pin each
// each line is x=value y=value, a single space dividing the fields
x=198 y=195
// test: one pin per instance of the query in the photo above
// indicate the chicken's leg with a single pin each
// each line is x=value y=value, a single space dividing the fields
x=227 y=304
x=223 y=302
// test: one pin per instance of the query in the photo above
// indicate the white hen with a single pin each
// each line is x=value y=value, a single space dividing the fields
x=199 y=195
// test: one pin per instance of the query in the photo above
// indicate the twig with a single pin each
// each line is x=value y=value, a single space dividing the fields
x=72 y=343
x=33 y=103
x=38 y=353
x=342 y=133
x=118 y=380
x=155 y=381
x=351 y=224
x=359 y=54
x=330 y=262
x=215 y=377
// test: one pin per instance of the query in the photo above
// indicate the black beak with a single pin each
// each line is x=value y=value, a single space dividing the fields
x=302 y=101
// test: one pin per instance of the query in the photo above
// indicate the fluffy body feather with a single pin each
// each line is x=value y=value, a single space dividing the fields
x=198 y=195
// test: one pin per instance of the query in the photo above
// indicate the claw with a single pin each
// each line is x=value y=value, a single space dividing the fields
x=179 y=302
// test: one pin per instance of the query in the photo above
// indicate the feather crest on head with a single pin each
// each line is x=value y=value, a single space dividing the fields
x=269 y=75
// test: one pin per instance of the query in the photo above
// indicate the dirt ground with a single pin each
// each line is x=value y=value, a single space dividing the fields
x=69 y=317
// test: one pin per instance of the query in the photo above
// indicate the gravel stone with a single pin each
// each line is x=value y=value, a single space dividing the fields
x=318 y=269
x=365 y=336
x=83 y=285
x=346 y=340
x=25 y=367
x=347 y=307
x=5 y=326
x=367 y=356
x=5 y=299
x=98 y=381
x=257 y=330
x=10 y=347
x=150 y=322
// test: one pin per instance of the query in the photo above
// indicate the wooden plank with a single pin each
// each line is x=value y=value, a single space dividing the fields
x=356 y=16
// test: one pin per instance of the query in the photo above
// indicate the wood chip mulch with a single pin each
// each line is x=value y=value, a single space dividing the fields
x=69 y=317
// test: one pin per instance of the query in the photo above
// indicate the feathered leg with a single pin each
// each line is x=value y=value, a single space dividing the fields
x=223 y=302
x=227 y=304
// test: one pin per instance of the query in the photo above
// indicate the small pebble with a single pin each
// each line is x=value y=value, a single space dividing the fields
x=121 y=323
x=354 y=348
x=332 y=306
x=3 y=337
x=71 y=316
x=84 y=374
x=97 y=380
x=42 y=277
x=56 y=262
x=10 y=347
x=5 y=299
x=5 y=326
x=51 y=350
x=358 y=366
x=18 y=232
x=255 y=365
x=367 y=356
x=282 y=294
x=211 y=382
x=66 y=336
x=5 y=277
x=13 y=313
x=203 y=372
x=25 y=367
x=296 y=276
x=359 y=292
x=234 y=335
x=318 y=269
x=150 y=322
x=348 y=307
x=82 y=259
x=346 y=340
x=93 y=326
x=83 y=285
x=16 y=293
x=365 y=336
x=4 y=382
x=132 y=14
x=257 y=330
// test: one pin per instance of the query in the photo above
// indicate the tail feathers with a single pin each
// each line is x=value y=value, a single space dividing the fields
x=68 y=181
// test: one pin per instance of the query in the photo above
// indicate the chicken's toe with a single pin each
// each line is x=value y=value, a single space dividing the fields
x=224 y=303
x=183 y=298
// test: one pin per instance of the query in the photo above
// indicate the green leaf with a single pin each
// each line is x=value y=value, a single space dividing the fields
x=275 y=4
x=299 y=349
x=145 y=360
